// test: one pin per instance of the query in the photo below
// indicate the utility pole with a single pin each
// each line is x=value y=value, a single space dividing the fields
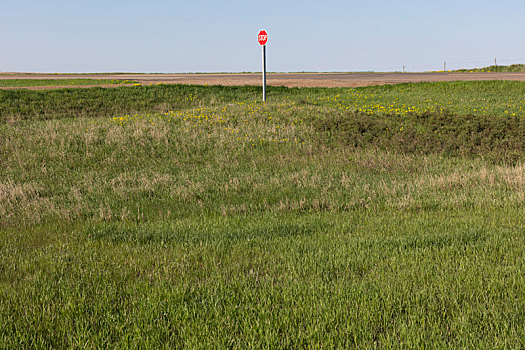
x=444 y=66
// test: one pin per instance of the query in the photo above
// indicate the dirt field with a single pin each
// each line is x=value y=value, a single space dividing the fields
x=279 y=79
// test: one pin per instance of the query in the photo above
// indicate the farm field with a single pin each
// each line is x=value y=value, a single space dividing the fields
x=30 y=83
x=196 y=216
x=356 y=79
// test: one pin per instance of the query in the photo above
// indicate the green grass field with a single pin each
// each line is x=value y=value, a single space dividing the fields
x=197 y=217
x=60 y=82
x=498 y=69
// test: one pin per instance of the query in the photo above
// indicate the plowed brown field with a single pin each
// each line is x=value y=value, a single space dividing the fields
x=279 y=79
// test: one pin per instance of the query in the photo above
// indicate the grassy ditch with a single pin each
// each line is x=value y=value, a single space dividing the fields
x=197 y=217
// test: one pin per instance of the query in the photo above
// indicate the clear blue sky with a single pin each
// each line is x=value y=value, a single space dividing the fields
x=214 y=36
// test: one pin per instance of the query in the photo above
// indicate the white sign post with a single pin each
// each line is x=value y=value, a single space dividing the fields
x=263 y=39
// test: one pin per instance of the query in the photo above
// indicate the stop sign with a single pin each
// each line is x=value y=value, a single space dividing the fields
x=263 y=37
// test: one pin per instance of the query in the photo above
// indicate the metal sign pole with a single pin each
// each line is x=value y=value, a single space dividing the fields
x=264 y=72
x=262 y=38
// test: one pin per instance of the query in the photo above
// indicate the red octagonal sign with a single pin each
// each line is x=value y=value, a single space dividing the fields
x=263 y=37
